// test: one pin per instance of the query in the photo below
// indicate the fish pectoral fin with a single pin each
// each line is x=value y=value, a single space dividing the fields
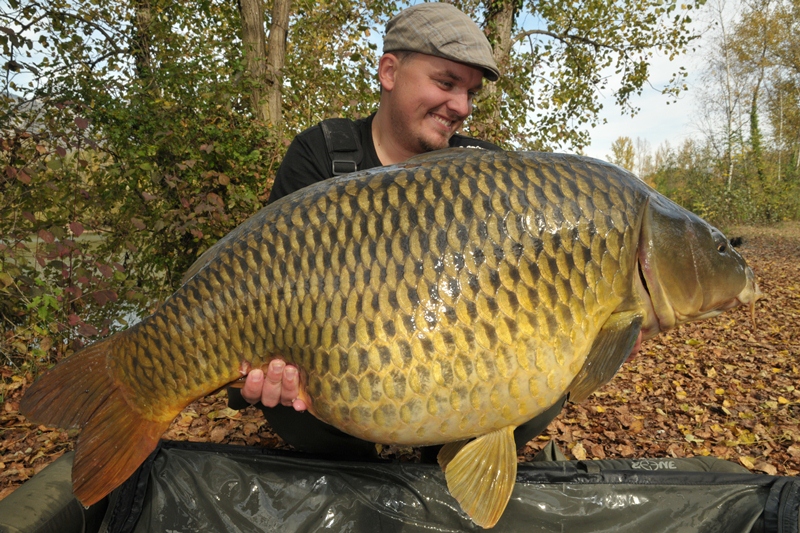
x=481 y=475
x=449 y=451
x=610 y=349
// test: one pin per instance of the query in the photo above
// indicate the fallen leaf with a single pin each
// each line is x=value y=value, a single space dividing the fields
x=767 y=468
x=579 y=452
x=747 y=462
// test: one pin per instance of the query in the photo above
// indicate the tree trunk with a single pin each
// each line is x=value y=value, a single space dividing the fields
x=500 y=15
x=264 y=63
x=255 y=52
x=755 y=134
x=142 y=37
x=729 y=108
x=276 y=58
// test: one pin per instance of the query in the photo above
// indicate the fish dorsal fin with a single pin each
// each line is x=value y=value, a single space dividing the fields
x=611 y=347
x=481 y=474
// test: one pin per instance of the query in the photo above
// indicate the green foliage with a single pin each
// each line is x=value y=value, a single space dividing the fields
x=696 y=179
x=117 y=176
x=558 y=67
x=740 y=174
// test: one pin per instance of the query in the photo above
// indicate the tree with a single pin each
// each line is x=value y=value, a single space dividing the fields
x=724 y=91
x=749 y=82
x=555 y=56
x=622 y=153
x=265 y=58
x=644 y=159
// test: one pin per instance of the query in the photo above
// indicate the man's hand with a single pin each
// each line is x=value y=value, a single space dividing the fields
x=280 y=385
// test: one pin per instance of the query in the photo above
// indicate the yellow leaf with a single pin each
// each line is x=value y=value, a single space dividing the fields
x=711 y=373
x=782 y=400
x=579 y=452
x=747 y=462
x=719 y=392
x=747 y=438
x=600 y=409
x=691 y=438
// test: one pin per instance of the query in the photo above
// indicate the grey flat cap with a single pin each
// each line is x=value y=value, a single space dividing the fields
x=441 y=30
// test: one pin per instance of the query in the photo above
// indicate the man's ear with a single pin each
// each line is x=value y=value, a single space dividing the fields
x=387 y=71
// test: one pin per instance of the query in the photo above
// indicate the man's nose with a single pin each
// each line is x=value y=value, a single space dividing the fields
x=460 y=104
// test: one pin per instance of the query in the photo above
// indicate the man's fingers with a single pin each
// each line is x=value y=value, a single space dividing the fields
x=271 y=391
x=299 y=405
x=251 y=391
x=280 y=384
x=290 y=385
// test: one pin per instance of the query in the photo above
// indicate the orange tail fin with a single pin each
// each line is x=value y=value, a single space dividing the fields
x=115 y=438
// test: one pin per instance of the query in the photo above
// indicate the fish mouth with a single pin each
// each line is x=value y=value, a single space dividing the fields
x=660 y=315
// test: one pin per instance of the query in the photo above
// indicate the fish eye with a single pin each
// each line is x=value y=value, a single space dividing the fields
x=721 y=242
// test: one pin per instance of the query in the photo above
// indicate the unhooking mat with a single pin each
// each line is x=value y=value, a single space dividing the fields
x=186 y=487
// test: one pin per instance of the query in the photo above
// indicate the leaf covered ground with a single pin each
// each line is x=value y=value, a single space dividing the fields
x=718 y=387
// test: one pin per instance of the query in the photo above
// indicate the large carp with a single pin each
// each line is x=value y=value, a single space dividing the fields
x=448 y=299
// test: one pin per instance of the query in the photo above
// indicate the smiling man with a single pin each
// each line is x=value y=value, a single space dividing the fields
x=434 y=62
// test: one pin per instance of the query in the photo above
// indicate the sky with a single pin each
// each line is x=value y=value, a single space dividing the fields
x=660 y=118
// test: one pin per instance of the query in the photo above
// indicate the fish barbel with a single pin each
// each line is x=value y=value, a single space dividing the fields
x=445 y=300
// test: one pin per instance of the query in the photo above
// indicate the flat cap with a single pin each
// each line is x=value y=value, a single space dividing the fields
x=441 y=30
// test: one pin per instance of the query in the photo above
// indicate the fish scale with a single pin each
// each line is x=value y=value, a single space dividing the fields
x=457 y=295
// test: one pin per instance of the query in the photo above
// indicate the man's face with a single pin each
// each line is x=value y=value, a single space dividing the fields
x=429 y=98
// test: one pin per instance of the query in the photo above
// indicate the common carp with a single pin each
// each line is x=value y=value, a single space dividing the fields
x=445 y=300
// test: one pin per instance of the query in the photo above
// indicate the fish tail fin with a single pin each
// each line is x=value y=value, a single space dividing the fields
x=115 y=438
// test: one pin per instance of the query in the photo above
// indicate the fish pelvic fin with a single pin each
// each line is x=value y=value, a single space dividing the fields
x=115 y=438
x=482 y=473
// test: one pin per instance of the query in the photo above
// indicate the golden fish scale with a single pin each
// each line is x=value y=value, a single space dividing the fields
x=423 y=305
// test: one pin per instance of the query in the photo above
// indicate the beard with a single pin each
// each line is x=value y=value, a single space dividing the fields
x=428 y=146
x=416 y=141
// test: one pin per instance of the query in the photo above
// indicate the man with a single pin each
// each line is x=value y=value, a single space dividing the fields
x=434 y=61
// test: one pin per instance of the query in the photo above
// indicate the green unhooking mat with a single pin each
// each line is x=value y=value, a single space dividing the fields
x=186 y=487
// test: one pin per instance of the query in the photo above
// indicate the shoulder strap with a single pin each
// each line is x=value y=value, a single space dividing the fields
x=343 y=143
